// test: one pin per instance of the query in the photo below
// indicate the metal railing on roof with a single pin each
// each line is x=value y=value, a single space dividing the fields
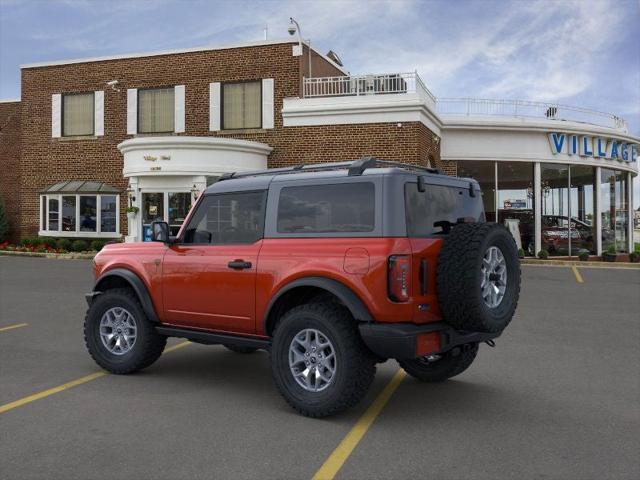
x=402 y=83
x=528 y=109
x=356 y=85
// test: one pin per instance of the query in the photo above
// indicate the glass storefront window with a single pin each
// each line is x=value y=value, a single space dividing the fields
x=614 y=210
x=581 y=204
x=515 y=202
x=485 y=174
x=108 y=213
x=69 y=213
x=555 y=208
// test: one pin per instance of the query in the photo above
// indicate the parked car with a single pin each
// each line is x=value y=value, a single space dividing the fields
x=331 y=268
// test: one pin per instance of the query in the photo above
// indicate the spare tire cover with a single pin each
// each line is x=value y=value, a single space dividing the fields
x=478 y=277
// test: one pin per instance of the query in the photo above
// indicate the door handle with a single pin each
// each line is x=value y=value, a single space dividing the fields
x=239 y=264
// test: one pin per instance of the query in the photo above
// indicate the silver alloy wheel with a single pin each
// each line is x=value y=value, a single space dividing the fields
x=118 y=330
x=312 y=360
x=494 y=277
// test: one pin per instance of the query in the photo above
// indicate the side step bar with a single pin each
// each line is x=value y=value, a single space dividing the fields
x=209 y=338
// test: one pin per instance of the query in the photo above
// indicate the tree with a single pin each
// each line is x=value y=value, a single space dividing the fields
x=4 y=222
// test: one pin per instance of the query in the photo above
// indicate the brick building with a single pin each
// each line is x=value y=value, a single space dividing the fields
x=91 y=137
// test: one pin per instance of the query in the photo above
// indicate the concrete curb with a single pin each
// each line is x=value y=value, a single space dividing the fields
x=58 y=256
x=573 y=263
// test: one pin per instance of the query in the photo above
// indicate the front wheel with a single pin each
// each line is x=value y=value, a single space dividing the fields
x=318 y=360
x=438 y=368
x=118 y=334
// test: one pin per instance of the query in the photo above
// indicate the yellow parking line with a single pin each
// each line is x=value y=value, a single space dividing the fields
x=577 y=274
x=334 y=463
x=11 y=327
x=65 y=386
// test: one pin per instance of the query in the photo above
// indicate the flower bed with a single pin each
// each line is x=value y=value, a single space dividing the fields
x=46 y=245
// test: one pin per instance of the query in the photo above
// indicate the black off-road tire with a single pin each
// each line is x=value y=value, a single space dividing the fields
x=236 y=349
x=459 y=277
x=355 y=365
x=449 y=365
x=148 y=346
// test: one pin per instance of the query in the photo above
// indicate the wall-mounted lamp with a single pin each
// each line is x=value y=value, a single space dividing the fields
x=132 y=198
x=195 y=192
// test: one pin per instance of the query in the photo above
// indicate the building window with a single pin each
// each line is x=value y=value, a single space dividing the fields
x=515 y=202
x=614 y=210
x=156 y=110
x=78 y=114
x=80 y=215
x=241 y=105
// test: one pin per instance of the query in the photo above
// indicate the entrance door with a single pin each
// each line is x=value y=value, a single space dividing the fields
x=170 y=207
x=209 y=275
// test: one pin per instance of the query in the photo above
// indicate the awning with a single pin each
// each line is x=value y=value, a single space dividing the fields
x=81 y=186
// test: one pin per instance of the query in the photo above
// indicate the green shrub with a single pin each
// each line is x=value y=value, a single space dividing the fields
x=543 y=254
x=29 y=242
x=79 y=246
x=97 y=245
x=4 y=222
x=64 y=244
x=584 y=256
x=611 y=249
x=634 y=257
x=521 y=253
x=47 y=242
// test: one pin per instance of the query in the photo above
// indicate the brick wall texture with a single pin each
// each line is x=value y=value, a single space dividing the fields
x=10 y=163
x=44 y=161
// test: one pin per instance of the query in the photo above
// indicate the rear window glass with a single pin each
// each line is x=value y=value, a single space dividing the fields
x=339 y=208
x=425 y=209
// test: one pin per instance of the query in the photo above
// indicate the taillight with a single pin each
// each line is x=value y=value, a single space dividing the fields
x=399 y=277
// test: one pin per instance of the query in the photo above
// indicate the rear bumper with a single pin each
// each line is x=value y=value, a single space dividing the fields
x=398 y=340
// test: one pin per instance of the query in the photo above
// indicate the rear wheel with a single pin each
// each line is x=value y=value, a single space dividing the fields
x=438 y=368
x=118 y=334
x=318 y=360
x=478 y=277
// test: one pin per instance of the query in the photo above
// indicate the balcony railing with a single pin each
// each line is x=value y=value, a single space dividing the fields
x=399 y=83
x=357 y=85
x=524 y=108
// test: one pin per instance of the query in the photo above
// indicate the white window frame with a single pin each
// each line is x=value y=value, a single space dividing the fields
x=44 y=215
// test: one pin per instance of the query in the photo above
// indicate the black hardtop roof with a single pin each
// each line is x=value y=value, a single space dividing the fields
x=367 y=166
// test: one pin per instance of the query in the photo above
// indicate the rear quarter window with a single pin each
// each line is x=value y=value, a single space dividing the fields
x=338 y=208
x=436 y=204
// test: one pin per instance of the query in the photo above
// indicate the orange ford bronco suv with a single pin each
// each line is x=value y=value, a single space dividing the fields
x=332 y=268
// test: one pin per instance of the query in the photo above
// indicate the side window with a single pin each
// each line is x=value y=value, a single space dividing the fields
x=339 y=208
x=227 y=219
x=424 y=209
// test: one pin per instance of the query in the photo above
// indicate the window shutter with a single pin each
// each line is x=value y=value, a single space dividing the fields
x=214 y=106
x=132 y=111
x=56 y=115
x=179 y=108
x=98 y=111
x=267 y=103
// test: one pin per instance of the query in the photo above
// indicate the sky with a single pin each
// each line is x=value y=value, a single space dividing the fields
x=584 y=53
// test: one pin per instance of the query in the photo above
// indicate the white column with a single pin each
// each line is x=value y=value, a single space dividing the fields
x=537 y=207
x=630 y=211
x=133 y=224
x=598 y=212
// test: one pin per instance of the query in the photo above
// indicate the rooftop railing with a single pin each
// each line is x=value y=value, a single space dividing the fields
x=400 y=83
x=357 y=85
x=528 y=109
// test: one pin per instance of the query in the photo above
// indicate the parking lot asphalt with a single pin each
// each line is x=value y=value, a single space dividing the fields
x=557 y=398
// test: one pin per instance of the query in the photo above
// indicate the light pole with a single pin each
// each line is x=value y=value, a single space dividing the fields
x=294 y=27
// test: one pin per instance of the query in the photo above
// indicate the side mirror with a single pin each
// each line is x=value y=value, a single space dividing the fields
x=160 y=232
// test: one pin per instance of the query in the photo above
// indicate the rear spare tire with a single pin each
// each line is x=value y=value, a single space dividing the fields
x=478 y=277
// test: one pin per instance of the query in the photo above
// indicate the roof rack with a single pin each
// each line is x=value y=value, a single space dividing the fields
x=356 y=167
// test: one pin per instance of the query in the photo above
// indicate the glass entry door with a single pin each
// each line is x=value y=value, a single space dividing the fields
x=170 y=207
